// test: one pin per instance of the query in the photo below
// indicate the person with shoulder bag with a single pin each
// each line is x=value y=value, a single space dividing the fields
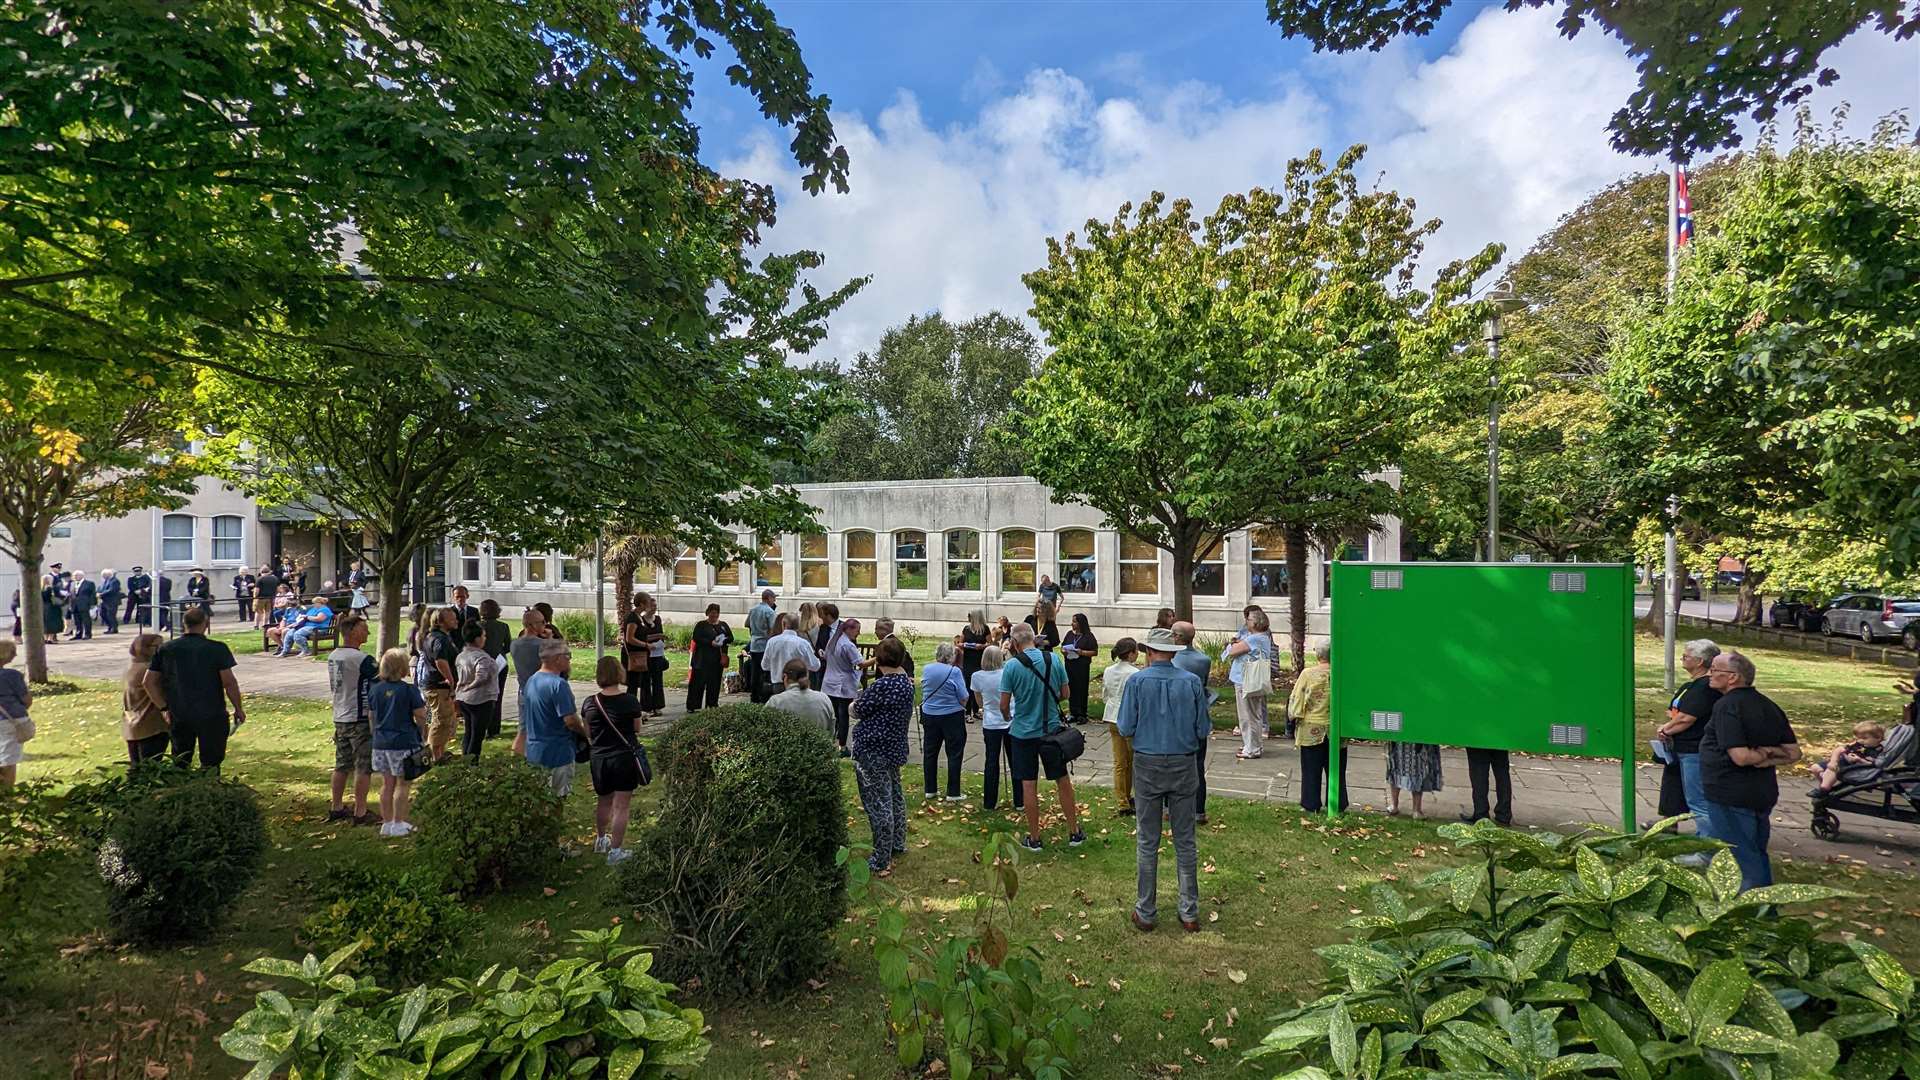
x=1030 y=692
x=617 y=763
x=943 y=721
x=1252 y=679
x=15 y=726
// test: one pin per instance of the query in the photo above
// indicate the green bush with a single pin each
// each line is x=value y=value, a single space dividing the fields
x=738 y=866
x=176 y=860
x=487 y=825
x=967 y=998
x=591 y=1017
x=406 y=924
x=577 y=628
x=1598 y=955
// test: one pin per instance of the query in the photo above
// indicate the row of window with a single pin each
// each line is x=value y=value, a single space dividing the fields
x=485 y=566
x=178 y=541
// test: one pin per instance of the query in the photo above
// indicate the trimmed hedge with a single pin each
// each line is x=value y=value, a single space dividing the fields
x=739 y=865
x=489 y=825
x=177 y=860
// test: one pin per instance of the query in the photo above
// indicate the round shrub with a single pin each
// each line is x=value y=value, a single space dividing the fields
x=176 y=861
x=488 y=825
x=738 y=866
x=408 y=926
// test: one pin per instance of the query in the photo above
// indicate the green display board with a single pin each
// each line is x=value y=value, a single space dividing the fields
x=1501 y=656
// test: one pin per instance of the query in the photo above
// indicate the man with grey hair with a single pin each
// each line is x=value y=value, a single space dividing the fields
x=549 y=717
x=759 y=628
x=1164 y=712
x=786 y=645
x=1687 y=716
x=1193 y=661
x=1747 y=739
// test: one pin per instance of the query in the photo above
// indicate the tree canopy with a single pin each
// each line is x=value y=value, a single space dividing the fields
x=927 y=403
x=1264 y=364
x=1704 y=65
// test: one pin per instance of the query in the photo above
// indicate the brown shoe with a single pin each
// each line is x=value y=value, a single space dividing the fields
x=1139 y=923
x=1191 y=926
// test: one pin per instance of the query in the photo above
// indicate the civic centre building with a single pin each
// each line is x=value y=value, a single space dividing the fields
x=924 y=552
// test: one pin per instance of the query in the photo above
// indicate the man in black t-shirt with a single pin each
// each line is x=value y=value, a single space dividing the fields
x=1687 y=716
x=193 y=674
x=1747 y=738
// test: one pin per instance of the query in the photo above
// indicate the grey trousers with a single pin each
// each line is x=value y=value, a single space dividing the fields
x=1165 y=783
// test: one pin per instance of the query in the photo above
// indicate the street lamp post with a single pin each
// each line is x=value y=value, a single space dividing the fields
x=1493 y=437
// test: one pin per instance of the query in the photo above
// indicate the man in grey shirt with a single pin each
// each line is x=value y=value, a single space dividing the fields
x=1197 y=662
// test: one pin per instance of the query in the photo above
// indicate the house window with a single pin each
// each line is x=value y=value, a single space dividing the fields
x=1351 y=548
x=910 y=561
x=226 y=538
x=813 y=561
x=469 y=563
x=863 y=567
x=536 y=569
x=1017 y=561
x=1139 y=567
x=1267 y=560
x=569 y=570
x=768 y=573
x=686 y=569
x=502 y=569
x=963 y=561
x=1076 y=561
x=1210 y=569
x=176 y=538
x=726 y=575
x=60 y=532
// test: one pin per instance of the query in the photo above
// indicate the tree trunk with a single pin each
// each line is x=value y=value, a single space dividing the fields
x=1655 y=620
x=1746 y=607
x=623 y=591
x=1297 y=595
x=33 y=629
x=392 y=584
x=1183 y=578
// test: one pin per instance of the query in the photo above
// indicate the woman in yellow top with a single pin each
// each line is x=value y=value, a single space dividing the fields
x=1308 y=707
x=143 y=720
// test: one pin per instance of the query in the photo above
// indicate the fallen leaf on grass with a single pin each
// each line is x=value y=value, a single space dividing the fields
x=1235 y=976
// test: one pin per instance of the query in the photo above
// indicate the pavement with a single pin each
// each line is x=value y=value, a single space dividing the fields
x=1548 y=792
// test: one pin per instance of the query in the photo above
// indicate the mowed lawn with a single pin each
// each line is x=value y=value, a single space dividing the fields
x=1274 y=886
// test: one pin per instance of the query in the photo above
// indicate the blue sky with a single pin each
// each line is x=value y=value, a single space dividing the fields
x=978 y=129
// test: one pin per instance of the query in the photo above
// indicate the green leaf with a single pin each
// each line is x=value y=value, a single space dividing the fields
x=1656 y=995
x=1467 y=887
x=460 y=1055
x=1593 y=873
x=1854 y=1025
x=1482 y=1040
x=1612 y=1040
x=1763 y=1011
x=273 y=965
x=1575 y=1064
x=1591 y=951
x=1884 y=969
x=1811 y=1054
x=1642 y=933
x=1739 y=1040
x=1370 y=1052
x=1793 y=893
x=1341 y=1039
x=416 y=1004
x=1717 y=993
x=1723 y=874
x=1449 y=1007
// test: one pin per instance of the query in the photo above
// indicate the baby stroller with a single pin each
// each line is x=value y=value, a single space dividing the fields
x=1889 y=789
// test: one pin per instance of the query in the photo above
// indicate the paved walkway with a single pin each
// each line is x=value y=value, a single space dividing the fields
x=1548 y=792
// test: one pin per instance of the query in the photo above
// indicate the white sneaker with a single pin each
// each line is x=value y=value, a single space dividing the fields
x=616 y=856
x=386 y=828
x=956 y=798
x=602 y=844
x=403 y=828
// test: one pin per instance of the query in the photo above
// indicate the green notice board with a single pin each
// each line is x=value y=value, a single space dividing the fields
x=1501 y=656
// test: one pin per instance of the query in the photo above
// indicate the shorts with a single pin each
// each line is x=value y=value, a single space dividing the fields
x=353 y=748
x=560 y=779
x=11 y=752
x=1024 y=756
x=443 y=720
x=262 y=606
x=391 y=762
x=613 y=773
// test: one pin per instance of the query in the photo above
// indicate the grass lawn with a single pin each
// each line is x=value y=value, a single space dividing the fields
x=1273 y=887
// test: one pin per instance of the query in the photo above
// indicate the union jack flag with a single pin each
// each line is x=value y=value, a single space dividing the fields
x=1682 y=208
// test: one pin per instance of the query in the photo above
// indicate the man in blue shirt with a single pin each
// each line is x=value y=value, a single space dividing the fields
x=1030 y=688
x=1164 y=712
x=759 y=629
x=547 y=715
x=1193 y=660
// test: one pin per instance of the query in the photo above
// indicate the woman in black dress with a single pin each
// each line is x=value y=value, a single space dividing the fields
x=1044 y=630
x=613 y=727
x=973 y=641
x=51 y=606
x=1079 y=648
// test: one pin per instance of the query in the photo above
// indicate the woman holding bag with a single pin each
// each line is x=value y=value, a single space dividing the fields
x=613 y=727
x=1252 y=677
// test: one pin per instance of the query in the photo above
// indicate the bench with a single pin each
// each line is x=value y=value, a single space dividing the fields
x=340 y=603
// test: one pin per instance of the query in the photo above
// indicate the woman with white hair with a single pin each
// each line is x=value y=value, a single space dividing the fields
x=1311 y=709
x=1687 y=716
x=993 y=728
x=943 y=721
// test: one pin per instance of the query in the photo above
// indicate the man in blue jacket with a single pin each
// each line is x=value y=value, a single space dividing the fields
x=1164 y=712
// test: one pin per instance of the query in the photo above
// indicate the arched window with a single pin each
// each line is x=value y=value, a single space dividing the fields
x=963 y=561
x=1210 y=568
x=1267 y=560
x=226 y=538
x=1139 y=567
x=863 y=566
x=910 y=560
x=1076 y=560
x=1017 y=561
x=769 y=572
x=813 y=561
x=176 y=538
x=686 y=569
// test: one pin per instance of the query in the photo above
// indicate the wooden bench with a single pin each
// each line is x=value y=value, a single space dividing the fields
x=340 y=603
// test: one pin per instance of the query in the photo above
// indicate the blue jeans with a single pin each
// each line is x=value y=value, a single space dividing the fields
x=1746 y=832
x=297 y=638
x=1696 y=790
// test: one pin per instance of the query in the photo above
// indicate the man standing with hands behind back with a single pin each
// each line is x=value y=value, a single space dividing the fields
x=191 y=673
x=1747 y=739
x=1164 y=712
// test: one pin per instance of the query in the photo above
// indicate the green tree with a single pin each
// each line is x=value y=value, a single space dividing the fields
x=1262 y=365
x=185 y=182
x=73 y=447
x=926 y=403
x=1782 y=373
x=1704 y=64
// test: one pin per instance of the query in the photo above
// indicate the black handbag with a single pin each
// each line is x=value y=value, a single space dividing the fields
x=417 y=763
x=640 y=759
x=1064 y=744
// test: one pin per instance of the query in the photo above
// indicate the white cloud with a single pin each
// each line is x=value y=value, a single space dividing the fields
x=1498 y=137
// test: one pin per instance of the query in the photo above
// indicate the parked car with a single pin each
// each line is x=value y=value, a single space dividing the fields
x=1869 y=616
x=1793 y=607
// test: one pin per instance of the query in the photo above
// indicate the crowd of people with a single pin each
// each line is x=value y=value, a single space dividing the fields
x=72 y=603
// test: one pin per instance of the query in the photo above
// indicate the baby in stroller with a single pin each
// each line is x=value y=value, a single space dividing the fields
x=1860 y=757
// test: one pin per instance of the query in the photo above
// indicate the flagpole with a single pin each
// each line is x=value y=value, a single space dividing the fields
x=1670 y=623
